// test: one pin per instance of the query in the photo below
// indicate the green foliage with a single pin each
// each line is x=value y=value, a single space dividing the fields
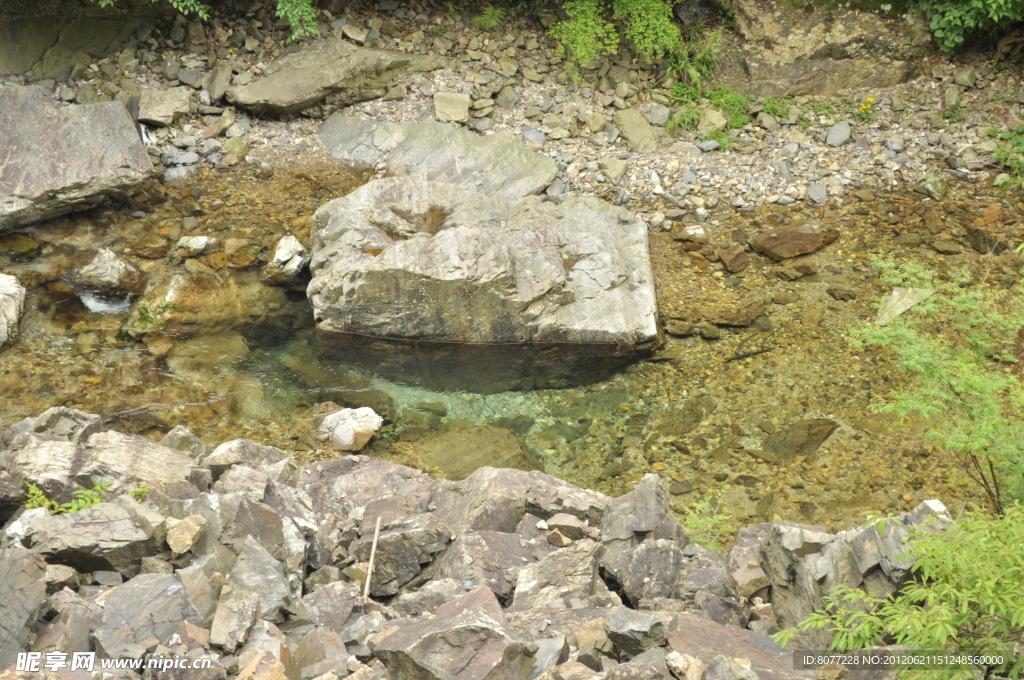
x=140 y=493
x=81 y=499
x=705 y=523
x=954 y=21
x=863 y=110
x=964 y=593
x=586 y=35
x=777 y=107
x=955 y=115
x=1011 y=154
x=680 y=93
x=490 y=17
x=648 y=26
x=686 y=119
x=720 y=136
x=299 y=13
x=824 y=107
x=962 y=346
x=732 y=105
x=695 y=60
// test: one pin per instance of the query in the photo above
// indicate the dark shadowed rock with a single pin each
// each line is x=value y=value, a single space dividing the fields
x=148 y=606
x=633 y=632
x=785 y=242
x=23 y=596
x=54 y=162
x=326 y=76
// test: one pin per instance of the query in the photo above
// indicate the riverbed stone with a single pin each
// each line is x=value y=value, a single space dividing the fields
x=460 y=451
x=581 y=265
x=933 y=185
x=789 y=241
x=326 y=76
x=801 y=438
x=12 y=304
x=640 y=136
x=257 y=571
x=451 y=106
x=55 y=163
x=162 y=107
x=107 y=273
x=288 y=259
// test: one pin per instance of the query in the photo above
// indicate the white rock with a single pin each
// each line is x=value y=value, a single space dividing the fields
x=12 y=304
x=290 y=256
x=350 y=429
x=899 y=301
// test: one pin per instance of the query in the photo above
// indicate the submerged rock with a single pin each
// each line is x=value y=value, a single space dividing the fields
x=502 y=294
x=459 y=452
x=326 y=76
x=55 y=161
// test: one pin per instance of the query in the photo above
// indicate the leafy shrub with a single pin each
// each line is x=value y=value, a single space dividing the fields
x=1011 y=154
x=777 y=107
x=964 y=592
x=140 y=493
x=695 y=60
x=81 y=499
x=648 y=26
x=588 y=33
x=954 y=21
x=732 y=105
x=299 y=13
x=705 y=523
x=962 y=345
x=489 y=18
x=686 y=119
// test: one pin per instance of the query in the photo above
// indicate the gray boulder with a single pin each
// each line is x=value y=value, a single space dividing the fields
x=427 y=599
x=162 y=107
x=181 y=439
x=237 y=611
x=339 y=486
x=486 y=558
x=404 y=547
x=257 y=571
x=561 y=577
x=633 y=632
x=640 y=135
x=104 y=537
x=326 y=76
x=242 y=452
x=501 y=294
x=12 y=304
x=61 y=423
x=55 y=160
x=497 y=165
x=23 y=593
x=148 y=606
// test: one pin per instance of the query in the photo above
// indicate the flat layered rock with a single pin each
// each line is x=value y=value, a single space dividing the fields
x=57 y=160
x=497 y=165
x=789 y=241
x=326 y=76
x=505 y=294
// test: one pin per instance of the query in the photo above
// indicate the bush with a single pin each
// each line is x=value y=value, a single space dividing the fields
x=588 y=33
x=299 y=13
x=953 y=21
x=962 y=346
x=705 y=523
x=81 y=499
x=963 y=593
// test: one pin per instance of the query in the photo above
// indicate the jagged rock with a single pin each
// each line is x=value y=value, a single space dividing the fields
x=633 y=632
x=148 y=606
x=245 y=480
x=320 y=651
x=932 y=185
x=486 y=558
x=427 y=599
x=162 y=107
x=651 y=569
x=632 y=671
x=23 y=594
x=257 y=664
x=109 y=274
x=451 y=106
x=336 y=606
x=351 y=429
x=103 y=537
x=404 y=547
x=182 y=534
x=237 y=611
x=326 y=76
x=54 y=162
x=560 y=576
x=289 y=258
x=785 y=242
x=256 y=570
x=462 y=255
x=640 y=136
x=341 y=485
x=61 y=423
x=469 y=645
x=181 y=439
x=728 y=668
x=460 y=451
x=198 y=588
x=242 y=452
x=58 y=466
x=12 y=304
x=741 y=313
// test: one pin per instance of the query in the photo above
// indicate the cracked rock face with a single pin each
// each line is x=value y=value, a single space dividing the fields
x=54 y=161
x=532 y=293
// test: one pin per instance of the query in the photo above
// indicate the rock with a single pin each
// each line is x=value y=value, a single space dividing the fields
x=841 y=293
x=149 y=606
x=451 y=106
x=237 y=611
x=431 y=596
x=639 y=135
x=801 y=438
x=965 y=77
x=289 y=258
x=497 y=164
x=162 y=107
x=55 y=163
x=182 y=533
x=326 y=76
x=932 y=185
x=768 y=122
x=659 y=116
x=459 y=452
x=817 y=194
x=728 y=668
x=708 y=145
x=356 y=260
x=257 y=571
x=104 y=536
x=838 y=134
x=58 y=466
x=181 y=439
x=12 y=304
x=507 y=97
x=242 y=452
x=790 y=53
x=614 y=168
x=734 y=258
x=783 y=243
x=633 y=632
x=109 y=274
x=405 y=546
x=220 y=80
x=684 y=666
x=470 y=644
x=351 y=429
x=23 y=592
x=486 y=558
x=742 y=313
x=711 y=120
x=560 y=576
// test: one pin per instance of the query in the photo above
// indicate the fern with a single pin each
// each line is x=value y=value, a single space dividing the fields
x=586 y=35
x=490 y=17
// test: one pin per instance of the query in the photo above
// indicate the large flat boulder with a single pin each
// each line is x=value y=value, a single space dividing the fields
x=498 y=165
x=56 y=160
x=23 y=593
x=326 y=76
x=499 y=294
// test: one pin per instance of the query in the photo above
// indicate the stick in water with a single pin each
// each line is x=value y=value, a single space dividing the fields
x=373 y=554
